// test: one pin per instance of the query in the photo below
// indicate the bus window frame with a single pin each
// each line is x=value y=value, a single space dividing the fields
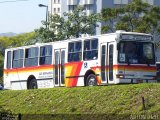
x=73 y=52
x=118 y=48
x=45 y=55
x=90 y=50
x=19 y=59
x=9 y=61
x=32 y=57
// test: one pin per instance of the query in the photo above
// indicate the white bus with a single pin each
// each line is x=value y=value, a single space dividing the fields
x=158 y=71
x=120 y=57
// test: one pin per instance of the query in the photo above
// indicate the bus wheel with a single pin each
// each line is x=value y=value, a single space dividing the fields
x=33 y=84
x=91 y=80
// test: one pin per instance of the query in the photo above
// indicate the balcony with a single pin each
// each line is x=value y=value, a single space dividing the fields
x=72 y=2
x=88 y=2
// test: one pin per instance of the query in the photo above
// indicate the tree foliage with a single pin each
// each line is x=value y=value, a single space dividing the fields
x=73 y=24
x=42 y=35
x=136 y=16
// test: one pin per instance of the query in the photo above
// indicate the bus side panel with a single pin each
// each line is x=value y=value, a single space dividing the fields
x=6 y=75
x=75 y=72
x=6 y=79
x=20 y=76
x=45 y=76
x=12 y=79
x=72 y=73
x=94 y=67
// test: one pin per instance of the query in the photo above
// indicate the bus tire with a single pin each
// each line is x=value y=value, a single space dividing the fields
x=91 y=80
x=33 y=84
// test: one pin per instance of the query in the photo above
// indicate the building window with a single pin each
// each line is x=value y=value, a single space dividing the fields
x=58 y=1
x=90 y=49
x=119 y=2
x=54 y=1
x=18 y=58
x=72 y=7
x=54 y=10
x=58 y=10
x=31 y=56
x=75 y=51
x=45 y=55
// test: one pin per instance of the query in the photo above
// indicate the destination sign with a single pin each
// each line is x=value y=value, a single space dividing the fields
x=136 y=37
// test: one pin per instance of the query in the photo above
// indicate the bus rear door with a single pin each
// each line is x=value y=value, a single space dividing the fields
x=59 y=63
x=104 y=62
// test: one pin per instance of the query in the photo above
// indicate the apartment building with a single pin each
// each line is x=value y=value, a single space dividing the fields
x=91 y=6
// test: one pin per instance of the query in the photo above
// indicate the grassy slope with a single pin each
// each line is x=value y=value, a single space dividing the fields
x=113 y=101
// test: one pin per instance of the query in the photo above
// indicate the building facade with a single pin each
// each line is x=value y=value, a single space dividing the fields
x=91 y=6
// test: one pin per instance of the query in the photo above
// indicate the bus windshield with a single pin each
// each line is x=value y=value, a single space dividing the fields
x=132 y=52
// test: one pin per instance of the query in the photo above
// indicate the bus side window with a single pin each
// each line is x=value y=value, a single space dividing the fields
x=94 y=48
x=18 y=58
x=31 y=56
x=45 y=55
x=75 y=51
x=8 y=59
x=90 y=49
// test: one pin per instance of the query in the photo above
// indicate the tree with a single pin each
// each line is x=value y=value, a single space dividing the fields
x=41 y=35
x=21 y=39
x=109 y=18
x=136 y=16
x=77 y=23
x=60 y=28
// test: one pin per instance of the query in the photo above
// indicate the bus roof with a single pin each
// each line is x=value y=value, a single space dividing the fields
x=117 y=33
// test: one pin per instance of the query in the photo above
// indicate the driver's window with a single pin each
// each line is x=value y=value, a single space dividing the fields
x=130 y=52
x=147 y=48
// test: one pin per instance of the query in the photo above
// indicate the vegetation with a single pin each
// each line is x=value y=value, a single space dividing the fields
x=15 y=41
x=77 y=23
x=137 y=16
x=114 y=102
x=60 y=28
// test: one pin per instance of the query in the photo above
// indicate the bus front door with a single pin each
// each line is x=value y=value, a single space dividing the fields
x=110 y=59
x=59 y=63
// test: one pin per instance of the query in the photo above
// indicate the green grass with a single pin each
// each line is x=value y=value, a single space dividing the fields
x=100 y=102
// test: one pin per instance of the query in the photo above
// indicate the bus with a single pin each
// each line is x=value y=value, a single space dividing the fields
x=158 y=71
x=113 y=58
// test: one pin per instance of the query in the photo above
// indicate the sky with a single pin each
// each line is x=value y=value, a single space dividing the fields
x=21 y=16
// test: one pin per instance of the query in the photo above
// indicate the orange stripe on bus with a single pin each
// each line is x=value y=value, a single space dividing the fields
x=29 y=69
x=73 y=69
